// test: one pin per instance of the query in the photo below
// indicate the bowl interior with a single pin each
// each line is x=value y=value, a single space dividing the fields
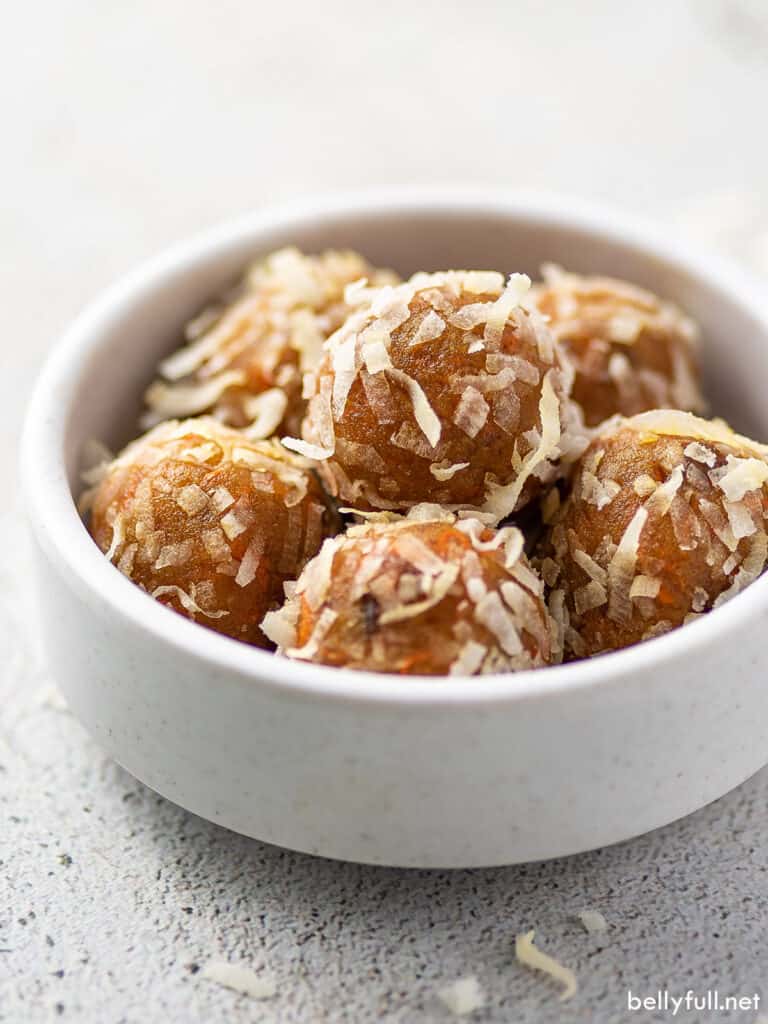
x=144 y=319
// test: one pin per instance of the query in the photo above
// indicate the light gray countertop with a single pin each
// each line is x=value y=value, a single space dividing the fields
x=133 y=125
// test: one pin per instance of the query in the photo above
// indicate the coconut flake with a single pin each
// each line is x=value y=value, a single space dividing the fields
x=420 y=556
x=222 y=499
x=621 y=568
x=431 y=327
x=375 y=355
x=443 y=472
x=266 y=412
x=192 y=499
x=598 y=492
x=528 y=955
x=118 y=536
x=659 y=502
x=316 y=578
x=700 y=453
x=752 y=566
x=644 y=485
x=425 y=415
x=513 y=294
x=713 y=515
x=307 y=449
x=471 y=412
x=590 y=566
x=482 y=282
x=249 y=563
x=645 y=586
x=379 y=396
x=343 y=351
x=471 y=315
x=240 y=979
x=187 y=602
x=550 y=571
x=322 y=627
x=280 y=626
x=469 y=660
x=502 y=500
x=178 y=400
x=740 y=519
x=441 y=584
x=591 y=595
x=506 y=411
x=491 y=613
x=236 y=522
x=732 y=562
x=739 y=476
x=174 y=554
x=674 y=423
x=462 y=997
x=593 y=921
x=215 y=544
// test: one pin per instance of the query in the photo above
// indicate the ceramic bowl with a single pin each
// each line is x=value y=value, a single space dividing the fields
x=428 y=772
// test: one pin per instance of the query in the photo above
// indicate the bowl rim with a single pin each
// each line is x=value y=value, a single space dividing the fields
x=60 y=532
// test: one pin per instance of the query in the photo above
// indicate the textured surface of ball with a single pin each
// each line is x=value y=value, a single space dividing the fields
x=443 y=389
x=246 y=355
x=631 y=351
x=427 y=596
x=209 y=523
x=665 y=520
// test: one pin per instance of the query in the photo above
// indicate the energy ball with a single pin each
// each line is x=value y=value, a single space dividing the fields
x=245 y=357
x=427 y=596
x=444 y=389
x=665 y=520
x=209 y=523
x=631 y=351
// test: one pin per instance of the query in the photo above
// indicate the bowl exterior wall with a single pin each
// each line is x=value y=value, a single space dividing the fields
x=466 y=772
x=419 y=786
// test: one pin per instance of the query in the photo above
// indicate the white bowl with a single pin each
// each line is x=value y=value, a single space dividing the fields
x=429 y=772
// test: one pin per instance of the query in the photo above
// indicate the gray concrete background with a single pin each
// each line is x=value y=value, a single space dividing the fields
x=126 y=127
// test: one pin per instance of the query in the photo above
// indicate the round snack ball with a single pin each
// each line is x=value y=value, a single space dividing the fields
x=245 y=357
x=418 y=596
x=209 y=523
x=443 y=389
x=631 y=351
x=665 y=520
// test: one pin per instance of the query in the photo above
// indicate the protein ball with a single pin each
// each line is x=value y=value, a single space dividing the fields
x=665 y=520
x=433 y=596
x=631 y=351
x=443 y=389
x=245 y=356
x=209 y=523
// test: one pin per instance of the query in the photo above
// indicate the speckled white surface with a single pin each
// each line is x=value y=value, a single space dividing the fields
x=128 y=126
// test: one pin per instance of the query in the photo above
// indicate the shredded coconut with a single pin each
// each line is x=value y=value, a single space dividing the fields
x=444 y=472
x=462 y=997
x=530 y=956
x=502 y=500
x=432 y=326
x=266 y=412
x=593 y=921
x=739 y=476
x=621 y=568
x=240 y=979
x=470 y=659
x=645 y=586
x=309 y=451
x=187 y=602
x=471 y=412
